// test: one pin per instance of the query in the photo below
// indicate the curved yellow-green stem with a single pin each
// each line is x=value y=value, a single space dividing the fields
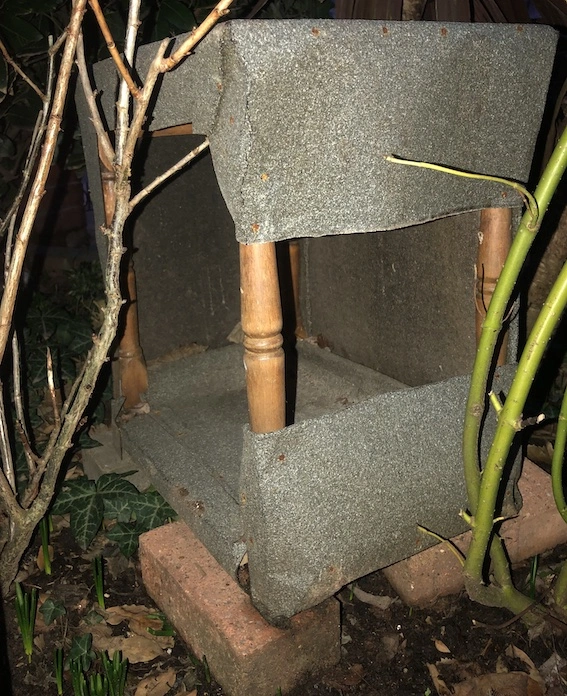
x=531 y=202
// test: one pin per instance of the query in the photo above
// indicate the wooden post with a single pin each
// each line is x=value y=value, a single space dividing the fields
x=495 y=239
x=262 y=327
x=295 y=265
x=132 y=371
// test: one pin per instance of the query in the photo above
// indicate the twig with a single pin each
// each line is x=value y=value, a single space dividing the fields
x=122 y=111
x=5 y=449
x=111 y=45
x=38 y=187
x=57 y=45
x=529 y=199
x=169 y=173
x=52 y=393
x=196 y=35
x=20 y=72
x=452 y=546
x=106 y=151
x=18 y=402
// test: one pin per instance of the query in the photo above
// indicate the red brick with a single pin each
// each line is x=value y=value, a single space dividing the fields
x=436 y=572
x=216 y=618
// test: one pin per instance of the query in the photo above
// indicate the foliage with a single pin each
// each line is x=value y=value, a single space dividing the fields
x=26 y=609
x=110 y=682
x=52 y=609
x=111 y=497
x=98 y=575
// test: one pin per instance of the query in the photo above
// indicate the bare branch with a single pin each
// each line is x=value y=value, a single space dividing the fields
x=5 y=450
x=20 y=72
x=52 y=392
x=196 y=35
x=106 y=151
x=169 y=173
x=18 y=401
x=38 y=187
x=57 y=45
x=111 y=45
x=122 y=111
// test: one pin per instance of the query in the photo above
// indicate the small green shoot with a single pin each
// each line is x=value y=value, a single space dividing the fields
x=166 y=628
x=98 y=685
x=26 y=608
x=45 y=527
x=78 y=678
x=58 y=662
x=533 y=576
x=206 y=669
x=115 y=672
x=98 y=573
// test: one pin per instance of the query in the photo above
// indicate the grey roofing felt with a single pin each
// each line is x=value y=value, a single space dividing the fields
x=300 y=115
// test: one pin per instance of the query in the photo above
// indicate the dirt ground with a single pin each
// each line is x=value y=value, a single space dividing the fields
x=385 y=651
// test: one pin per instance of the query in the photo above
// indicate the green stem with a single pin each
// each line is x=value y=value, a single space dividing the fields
x=44 y=529
x=509 y=424
x=560 y=589
x=495 y=315
x=557 y=461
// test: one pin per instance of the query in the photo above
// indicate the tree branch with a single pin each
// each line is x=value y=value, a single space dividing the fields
x=111 y=45
x=169 y=173
x=20 y=72
x=196 y=35
x=38 y=187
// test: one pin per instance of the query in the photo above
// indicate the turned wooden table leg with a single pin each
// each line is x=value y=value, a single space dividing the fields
x=262 y=327
x=295 y=264
x=132 y=371
x=495 y=239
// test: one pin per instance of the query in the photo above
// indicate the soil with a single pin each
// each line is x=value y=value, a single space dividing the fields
x=385 y=651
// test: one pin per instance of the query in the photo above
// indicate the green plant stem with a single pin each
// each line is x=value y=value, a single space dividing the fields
x=44 y=529
x=495 y=315
x=58 y=662
x=509 y=424
x=98 y=574
x=560 y=588
x=557 y=460
x=26 y=610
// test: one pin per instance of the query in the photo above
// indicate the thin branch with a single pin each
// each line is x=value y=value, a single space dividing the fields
x=169 y=173
x=18 y=401
x=28 y=448
x=106 y=150
x=122 y=110
x=196 y=35
x=111 y=45
x=52 y=392
x=20 y=72
x=38 y=187
x=5 y=450
x=57 y=45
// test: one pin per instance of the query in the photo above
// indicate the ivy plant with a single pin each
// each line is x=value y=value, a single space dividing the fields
x=111 y=497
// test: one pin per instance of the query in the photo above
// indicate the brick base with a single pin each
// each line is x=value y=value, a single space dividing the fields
x=215 y=617
x=436 y=572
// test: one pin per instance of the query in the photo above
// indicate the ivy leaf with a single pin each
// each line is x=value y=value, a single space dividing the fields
x=118 y=495
x=7 y=146
x=81 y=651
x=52 y=609
x=152 y=510
x=80 y=498
x=126 y=535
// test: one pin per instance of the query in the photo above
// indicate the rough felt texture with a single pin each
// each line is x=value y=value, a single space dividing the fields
x=336 y=497
x=190 y=444
x=301 y=114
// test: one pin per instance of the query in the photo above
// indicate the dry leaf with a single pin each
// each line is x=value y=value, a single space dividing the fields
x=441 y=647
x=157 y=684
x=508 y=684
x=440 y=686
x=382 y=602
x=40 y=560
x=514 y=651
x=39 y=642
x=135 y=647
x=341 y=678
x=139 y=619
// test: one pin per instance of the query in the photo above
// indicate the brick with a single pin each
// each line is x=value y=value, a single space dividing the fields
x=436 y=572
x=215 y=617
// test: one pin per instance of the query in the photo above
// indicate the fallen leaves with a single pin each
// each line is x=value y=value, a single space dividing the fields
x=157 y=684
x=502 y=682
